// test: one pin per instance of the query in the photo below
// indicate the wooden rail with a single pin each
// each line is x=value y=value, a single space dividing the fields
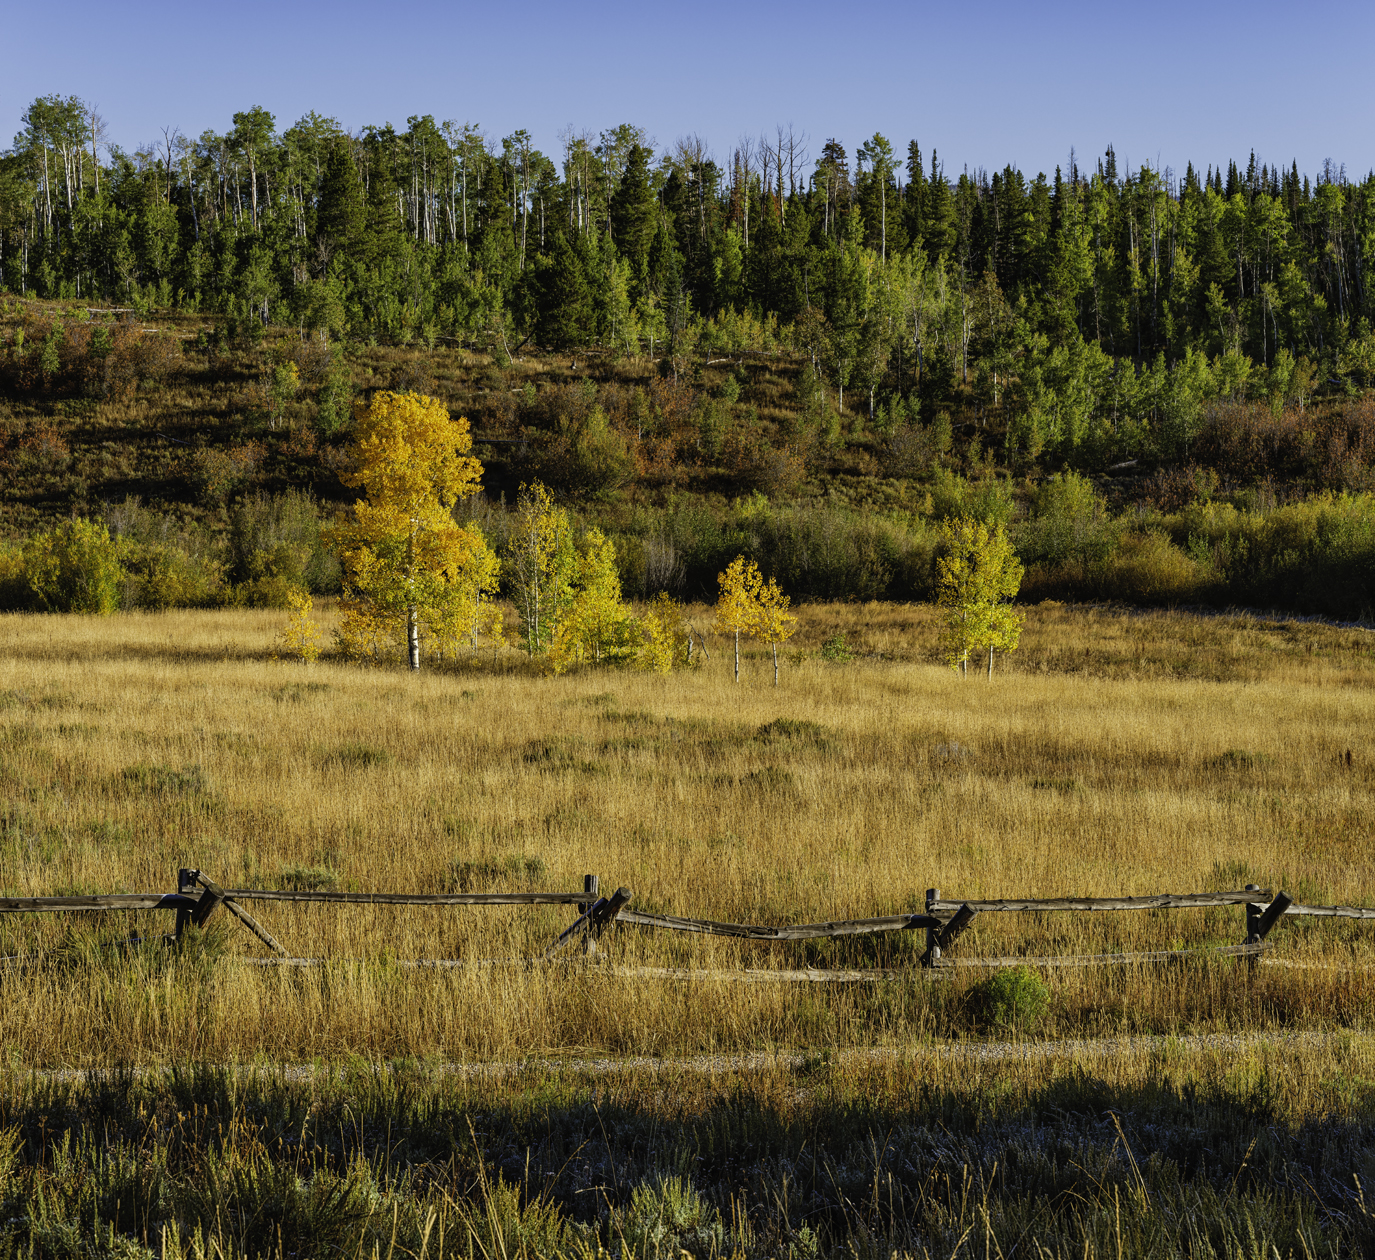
x=1332 y=912
x=409 y=899
x=945 y=919
x=109 y=901
x=1164 y=901
x=792 y=932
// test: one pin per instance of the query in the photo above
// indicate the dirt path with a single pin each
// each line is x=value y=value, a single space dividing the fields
x=971 y=1052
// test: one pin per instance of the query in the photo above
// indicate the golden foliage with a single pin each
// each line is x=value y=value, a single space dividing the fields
x=406 y=562
x=664 y=630
x=977 y=573
x=300 y=639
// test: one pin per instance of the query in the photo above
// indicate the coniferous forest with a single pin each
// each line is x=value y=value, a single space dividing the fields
x=868 y=329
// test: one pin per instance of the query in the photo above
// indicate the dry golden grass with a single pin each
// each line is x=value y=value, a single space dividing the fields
x=1112 y=755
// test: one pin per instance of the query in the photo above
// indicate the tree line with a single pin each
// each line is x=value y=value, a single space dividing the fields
x=1092 y=313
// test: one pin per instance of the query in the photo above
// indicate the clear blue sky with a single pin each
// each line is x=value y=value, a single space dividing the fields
x=986 y=84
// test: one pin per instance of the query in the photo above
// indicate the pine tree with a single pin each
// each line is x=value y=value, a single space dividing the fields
x=565 y=314
x=634 y=215
x=383 y=210
x=341 y=215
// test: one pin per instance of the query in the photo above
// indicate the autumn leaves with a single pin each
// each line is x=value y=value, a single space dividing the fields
x=749 y=605
x=406 y=562
x=412 y=572
x=409 y=567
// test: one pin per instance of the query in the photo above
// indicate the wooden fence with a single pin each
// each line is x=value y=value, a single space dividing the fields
x=943 y=919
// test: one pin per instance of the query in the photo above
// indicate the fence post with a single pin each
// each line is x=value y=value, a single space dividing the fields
x=933 y=950
x=1253 y=913
x=186 y=886
x=591 y=885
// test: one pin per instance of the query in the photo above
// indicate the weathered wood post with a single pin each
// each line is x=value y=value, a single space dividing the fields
x=591 y=885
x=933 y=949
x=1253 y=913
x=186 y=886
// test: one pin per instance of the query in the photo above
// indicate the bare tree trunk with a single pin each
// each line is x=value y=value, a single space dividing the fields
x=775 y=664
x=737 y=656
x=990 y=662
x=413 y=635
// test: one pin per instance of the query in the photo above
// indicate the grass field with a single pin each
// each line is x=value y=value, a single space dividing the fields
x=315 y=1112
x=1114 y=754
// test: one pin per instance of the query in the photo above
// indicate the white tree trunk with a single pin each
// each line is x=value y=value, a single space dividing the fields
x=413 y=636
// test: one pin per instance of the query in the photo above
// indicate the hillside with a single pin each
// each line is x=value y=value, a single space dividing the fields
x=216 y=455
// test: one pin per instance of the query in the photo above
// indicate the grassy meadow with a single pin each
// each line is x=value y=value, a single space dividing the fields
x=1113 y=754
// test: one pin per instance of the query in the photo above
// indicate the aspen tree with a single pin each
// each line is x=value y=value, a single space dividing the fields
x=540 y=562
x=595 y=627
x=974 y=578
x=736 y=607
x=773 y=623
x=404 y=557
x=663 y=629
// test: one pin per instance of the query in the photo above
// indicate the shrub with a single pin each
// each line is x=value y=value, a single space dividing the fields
x=836 y=650
x=161 y=577
x=274 y=545
x=307 y=878
x=988 y=501
x=15 y=592
x=75 y=567
x=1069 y=522
x=1013 y=1000
x=1149 y=569
x=912 y=449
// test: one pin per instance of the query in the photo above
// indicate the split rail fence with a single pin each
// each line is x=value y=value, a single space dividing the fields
x=943 y=920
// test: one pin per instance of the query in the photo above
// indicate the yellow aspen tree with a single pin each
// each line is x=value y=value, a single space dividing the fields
x=736 y=605
x=300 y=638
x=975 y=577
x=663 y=629
x=595 y=626
x=459 y=617
x=773 y=623
x=540 y=563
x=401 y=550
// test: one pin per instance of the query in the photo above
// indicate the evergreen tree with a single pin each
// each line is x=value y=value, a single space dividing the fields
x=634 y=211
x=341 y=215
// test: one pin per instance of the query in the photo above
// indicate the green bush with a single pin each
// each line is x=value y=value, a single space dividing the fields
x=275 y=546
x=988 y=501
x=1013 y=1000
x=170 y=561
x=1069 y=522
x=75 y=567
x=161 y=577
x=836 y=650
x=334 y=400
